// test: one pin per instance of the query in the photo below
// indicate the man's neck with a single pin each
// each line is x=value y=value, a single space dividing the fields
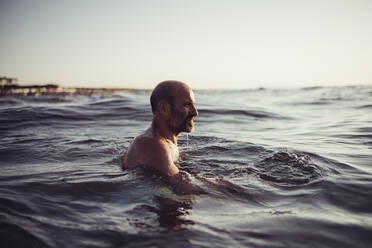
x=162 y=129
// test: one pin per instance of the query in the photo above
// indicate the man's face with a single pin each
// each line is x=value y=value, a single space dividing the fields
x=183 y=111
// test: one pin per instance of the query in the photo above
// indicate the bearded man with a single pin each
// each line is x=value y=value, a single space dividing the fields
x=174 y=111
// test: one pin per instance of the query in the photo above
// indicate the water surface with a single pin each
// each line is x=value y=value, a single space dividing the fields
x=293 y=165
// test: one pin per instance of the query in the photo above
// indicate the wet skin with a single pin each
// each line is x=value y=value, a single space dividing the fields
x=157 y=146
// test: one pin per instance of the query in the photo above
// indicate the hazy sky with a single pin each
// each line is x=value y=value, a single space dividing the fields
x=209 y=44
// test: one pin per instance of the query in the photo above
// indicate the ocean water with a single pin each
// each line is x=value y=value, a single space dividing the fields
x=278 y=168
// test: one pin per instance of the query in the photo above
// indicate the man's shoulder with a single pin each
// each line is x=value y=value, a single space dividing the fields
x=147 y=141
x=152 y=150
x=146 y=148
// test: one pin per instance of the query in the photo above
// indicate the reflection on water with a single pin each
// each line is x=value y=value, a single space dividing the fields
x=172 y=214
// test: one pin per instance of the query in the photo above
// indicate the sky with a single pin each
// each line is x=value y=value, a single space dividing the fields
x=205 y=43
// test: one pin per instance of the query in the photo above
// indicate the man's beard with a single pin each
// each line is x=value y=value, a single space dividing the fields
x=186 y=125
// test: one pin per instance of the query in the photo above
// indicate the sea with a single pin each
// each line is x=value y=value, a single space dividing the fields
x=277 y=168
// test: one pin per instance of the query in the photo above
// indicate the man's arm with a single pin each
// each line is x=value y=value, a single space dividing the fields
x=161 y=158
x=164 y=165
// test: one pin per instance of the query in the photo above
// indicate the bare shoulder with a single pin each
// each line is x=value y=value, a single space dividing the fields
x=149 y=150
x=133 y=155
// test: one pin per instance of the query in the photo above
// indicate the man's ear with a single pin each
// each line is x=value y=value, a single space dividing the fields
x=164 y=108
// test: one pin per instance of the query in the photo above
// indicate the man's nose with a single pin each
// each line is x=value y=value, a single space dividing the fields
x=195 y=111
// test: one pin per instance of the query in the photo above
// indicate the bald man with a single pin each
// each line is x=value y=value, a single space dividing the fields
x=173 y=108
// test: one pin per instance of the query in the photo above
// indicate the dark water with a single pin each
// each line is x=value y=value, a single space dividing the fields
x=294 y=169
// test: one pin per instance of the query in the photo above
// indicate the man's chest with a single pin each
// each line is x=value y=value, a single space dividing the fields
x=174 y=152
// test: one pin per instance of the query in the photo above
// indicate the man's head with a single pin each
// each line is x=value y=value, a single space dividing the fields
x=174 y=101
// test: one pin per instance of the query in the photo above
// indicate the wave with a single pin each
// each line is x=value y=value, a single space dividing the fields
x=311 y=88
x=58 y=116
x=257 y=114
x=366 y=106
x=217 y=156
x=288 y=169
x=25 y=116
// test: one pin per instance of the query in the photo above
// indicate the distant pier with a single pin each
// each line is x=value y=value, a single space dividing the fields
x=10 y=87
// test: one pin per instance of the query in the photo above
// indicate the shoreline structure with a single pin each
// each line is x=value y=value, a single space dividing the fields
x=10 y=87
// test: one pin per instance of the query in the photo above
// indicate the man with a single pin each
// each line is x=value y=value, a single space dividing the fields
x=173 y=108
